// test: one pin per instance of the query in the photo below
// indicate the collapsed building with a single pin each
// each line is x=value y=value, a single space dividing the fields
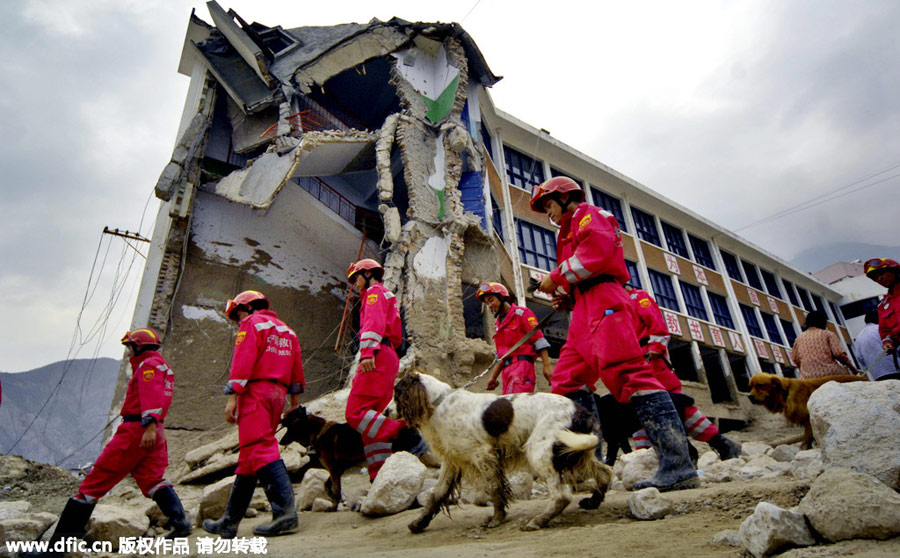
x=301 y=150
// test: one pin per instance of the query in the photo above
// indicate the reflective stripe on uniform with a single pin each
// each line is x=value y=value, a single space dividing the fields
x=161 y=484
x=377 y=452
x=541 y=344
x=151 y=411
x=697 y=423
x=661 y=339
x=279 y=328
x=574 y=270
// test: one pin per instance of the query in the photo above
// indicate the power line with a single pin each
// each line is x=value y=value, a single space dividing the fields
x=820 y=200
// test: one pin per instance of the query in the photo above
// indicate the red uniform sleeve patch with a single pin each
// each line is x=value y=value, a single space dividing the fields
x=532 y=321
x=148 y=375
x=644 y=302
x=585 y=221
x=372 y=299
x=240 y=337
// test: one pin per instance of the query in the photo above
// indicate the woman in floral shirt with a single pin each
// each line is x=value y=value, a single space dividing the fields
x=818 y=352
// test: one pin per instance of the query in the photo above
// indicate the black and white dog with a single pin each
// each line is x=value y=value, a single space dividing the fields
x=480 y=436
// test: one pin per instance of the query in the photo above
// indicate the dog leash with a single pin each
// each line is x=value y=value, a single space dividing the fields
x=518 y=344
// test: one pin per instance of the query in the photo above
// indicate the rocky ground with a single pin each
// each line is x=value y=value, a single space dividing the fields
x=700 y=522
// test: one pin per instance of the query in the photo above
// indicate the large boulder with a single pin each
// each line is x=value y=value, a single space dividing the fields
x=311 y=488
x=215 y=496
x=109 y=523
x=395 y=488
x=772 y=529
x=14 y=509
x=857 y=425
x=844 y=504
x=637 y=466
x=20 y=529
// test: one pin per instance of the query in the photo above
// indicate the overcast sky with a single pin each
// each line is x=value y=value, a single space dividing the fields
x=735 y=110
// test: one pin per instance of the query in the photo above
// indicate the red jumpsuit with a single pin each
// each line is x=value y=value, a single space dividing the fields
x=518 y=368
x=889 y=316
x=380 y=332
x=147 y=400
x=265 y=367
x=601 y=343
x=654 y=336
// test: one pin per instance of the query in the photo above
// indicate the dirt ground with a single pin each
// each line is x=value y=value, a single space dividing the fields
x=610 y=531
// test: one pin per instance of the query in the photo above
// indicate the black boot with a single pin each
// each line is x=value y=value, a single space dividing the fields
x=585 y=398
x=72 y=522
x=277 y=484
x=663 y=425
x=727 y=449
x=238 y=502
x=171 y=507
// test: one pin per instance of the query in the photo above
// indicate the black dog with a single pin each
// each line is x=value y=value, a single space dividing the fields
x=619 y=421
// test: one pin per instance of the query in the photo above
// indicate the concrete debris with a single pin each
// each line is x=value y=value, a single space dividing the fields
x=311 y=488
x=648 y=503
x=857 y=425
x=730 y=537
x=844 y=504
x=807 y=464
x=323 y=505
x=637 y=466
x=771 y=529
x=395 y=488
x=215 y=496
x=14 y=510
x=109 y=523
x=707 y=460
x=785 y=453
x=753 y=449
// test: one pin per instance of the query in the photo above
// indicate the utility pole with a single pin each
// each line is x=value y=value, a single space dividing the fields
x=128 y=235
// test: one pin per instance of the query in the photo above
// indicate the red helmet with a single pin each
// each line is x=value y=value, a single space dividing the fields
x=243 y=300
x=362 y=265
x=876 y=265
x=492 y=289
x=141 y=337
x=556 y=185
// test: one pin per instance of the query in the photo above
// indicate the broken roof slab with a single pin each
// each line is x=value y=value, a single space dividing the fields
x=246 y=89
x=319 y=154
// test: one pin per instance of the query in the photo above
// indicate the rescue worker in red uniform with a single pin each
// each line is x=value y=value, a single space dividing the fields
x=886 y=272
x=653 y=335
x=602 y=343
x=138 y=446
x=266 y=367
x=380 y=333
x=513 y=323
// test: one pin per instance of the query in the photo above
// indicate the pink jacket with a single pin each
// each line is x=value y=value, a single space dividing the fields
x=515 y=324
x=379 y=320
x=150 y=388
x=589 y=244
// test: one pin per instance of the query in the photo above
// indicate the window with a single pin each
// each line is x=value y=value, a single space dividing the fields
x=789 y=332
x=837 y=315
x=789 y=287
x=486 y=139
x=751 y=321
x=646 y=226
x=766 y=366
x=772 y=328
x=817 y=301
x=522 y=170
x=752 y=276
x=693 y=300
x=859 y=307
x=702 y=254
x=537 y=245
x=635 y=280
x=611 y=204
x=732 y=267
x=804 y=298
x=663 y=290
x=557 y=172
x=771 y=283
x=720 y=310
x=675 y=240
x=497 y=217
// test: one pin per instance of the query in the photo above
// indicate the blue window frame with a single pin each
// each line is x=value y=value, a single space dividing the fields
x=817 y=301
x=771 y=283
x=675 y=240
x=804 y=298
x=611 y=204
x=496 y=217
x=635 y=280
x=752 y=276
x=522 y=170
x=537 y=245
x=772 y=328
x=646 y=226
x=789 y=331
x=720 y=310
x=792 y=296
x=693 y=300
x=837 y=314
x=702 y=255
x=663 y=290
x=751 y=321
x=859 y=308
x=731 y=266
x=486 y=139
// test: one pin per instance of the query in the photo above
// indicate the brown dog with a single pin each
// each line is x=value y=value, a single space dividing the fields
x=790 y=396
